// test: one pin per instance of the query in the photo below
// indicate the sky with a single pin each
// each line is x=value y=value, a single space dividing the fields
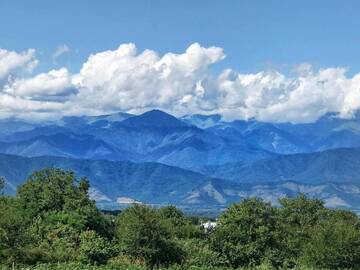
x=273 y=60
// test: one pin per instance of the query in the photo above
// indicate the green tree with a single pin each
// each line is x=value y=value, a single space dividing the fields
x=12 y=237
x=2 y=185
x=171 y=212
x=142 y=234
x=94 y=249
x=297 y=216
x=344 y=215
x=56 y=190
x=178 y=224
x=302 y=211
x=54 y=237
x=246 y=233
x=56 y=209
x=333 y=244
x=52 y=190
x=200 y=254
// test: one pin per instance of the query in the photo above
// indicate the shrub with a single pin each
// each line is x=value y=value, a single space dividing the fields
x=199 y=254
x=246 y=233
x=142 y=234
x=333 y=245
x=94 y=249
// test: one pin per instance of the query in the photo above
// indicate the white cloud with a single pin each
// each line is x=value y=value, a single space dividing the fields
x=56 y=84
x=10 y=61
x=271 y=96
x=125 y=80
x=14 y=106
x=60 y=50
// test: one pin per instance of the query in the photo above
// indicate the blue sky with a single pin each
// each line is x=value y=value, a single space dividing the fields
x=277 y=61
x=254 y=34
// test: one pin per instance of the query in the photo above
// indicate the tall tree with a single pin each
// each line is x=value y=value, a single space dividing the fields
x=246 y=233
x=297 y=216
x=178 y=224
x=333 y=244
x=56 y=209
x=143 y=235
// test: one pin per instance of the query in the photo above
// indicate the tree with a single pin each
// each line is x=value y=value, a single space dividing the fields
x=297 y=216
x=246 y=233
x=178 y=224
x=12 y=236
x=52 y=190
x=301 y=211
x=200 y=254
x=333 y=244
x=56 y=190
x=171 y=212
x=56 y=210
x=2 y=184
x=143 y=235
x=53 y=237
x=94 y=249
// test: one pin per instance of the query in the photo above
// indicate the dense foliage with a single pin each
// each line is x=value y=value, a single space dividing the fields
x=52 y=224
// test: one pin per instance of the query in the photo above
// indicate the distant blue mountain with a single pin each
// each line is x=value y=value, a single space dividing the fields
x=10 y=126
x=65 y=144
x=340 y=165
x=331 y=175
x=154 y=119
x=192 y=141
x=159 y=137
x=152 y=183
x=195 y=161
x=261 y=135
x=77 y=123
x=328 y=132
x=37 y=131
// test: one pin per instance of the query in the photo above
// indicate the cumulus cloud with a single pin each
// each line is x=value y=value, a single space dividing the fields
x=10 y=61
x=56 y=84
x=60 y=50
x=42 y=97
x=127 y=80
x=18 y=107
x=271 y=96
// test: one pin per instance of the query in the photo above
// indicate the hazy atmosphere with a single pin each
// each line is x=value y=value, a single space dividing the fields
x=168 y=135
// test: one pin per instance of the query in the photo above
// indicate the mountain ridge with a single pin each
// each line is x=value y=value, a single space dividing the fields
x=156 y=183
x=232 y=159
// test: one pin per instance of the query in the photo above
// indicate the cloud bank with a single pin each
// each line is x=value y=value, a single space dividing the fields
x=126 y=80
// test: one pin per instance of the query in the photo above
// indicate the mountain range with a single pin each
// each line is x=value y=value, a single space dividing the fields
x=193 y=161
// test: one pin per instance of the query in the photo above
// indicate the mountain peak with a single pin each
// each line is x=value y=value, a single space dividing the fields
x=157 y=112
x=154 y=118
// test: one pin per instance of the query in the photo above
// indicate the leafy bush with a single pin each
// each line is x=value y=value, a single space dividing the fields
x=94 y=249
x=246 y=233
x=44 y=221
x=178 y=224
x=199 y=254
x=297 y=216
x=333 y=245
x=143 y=234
